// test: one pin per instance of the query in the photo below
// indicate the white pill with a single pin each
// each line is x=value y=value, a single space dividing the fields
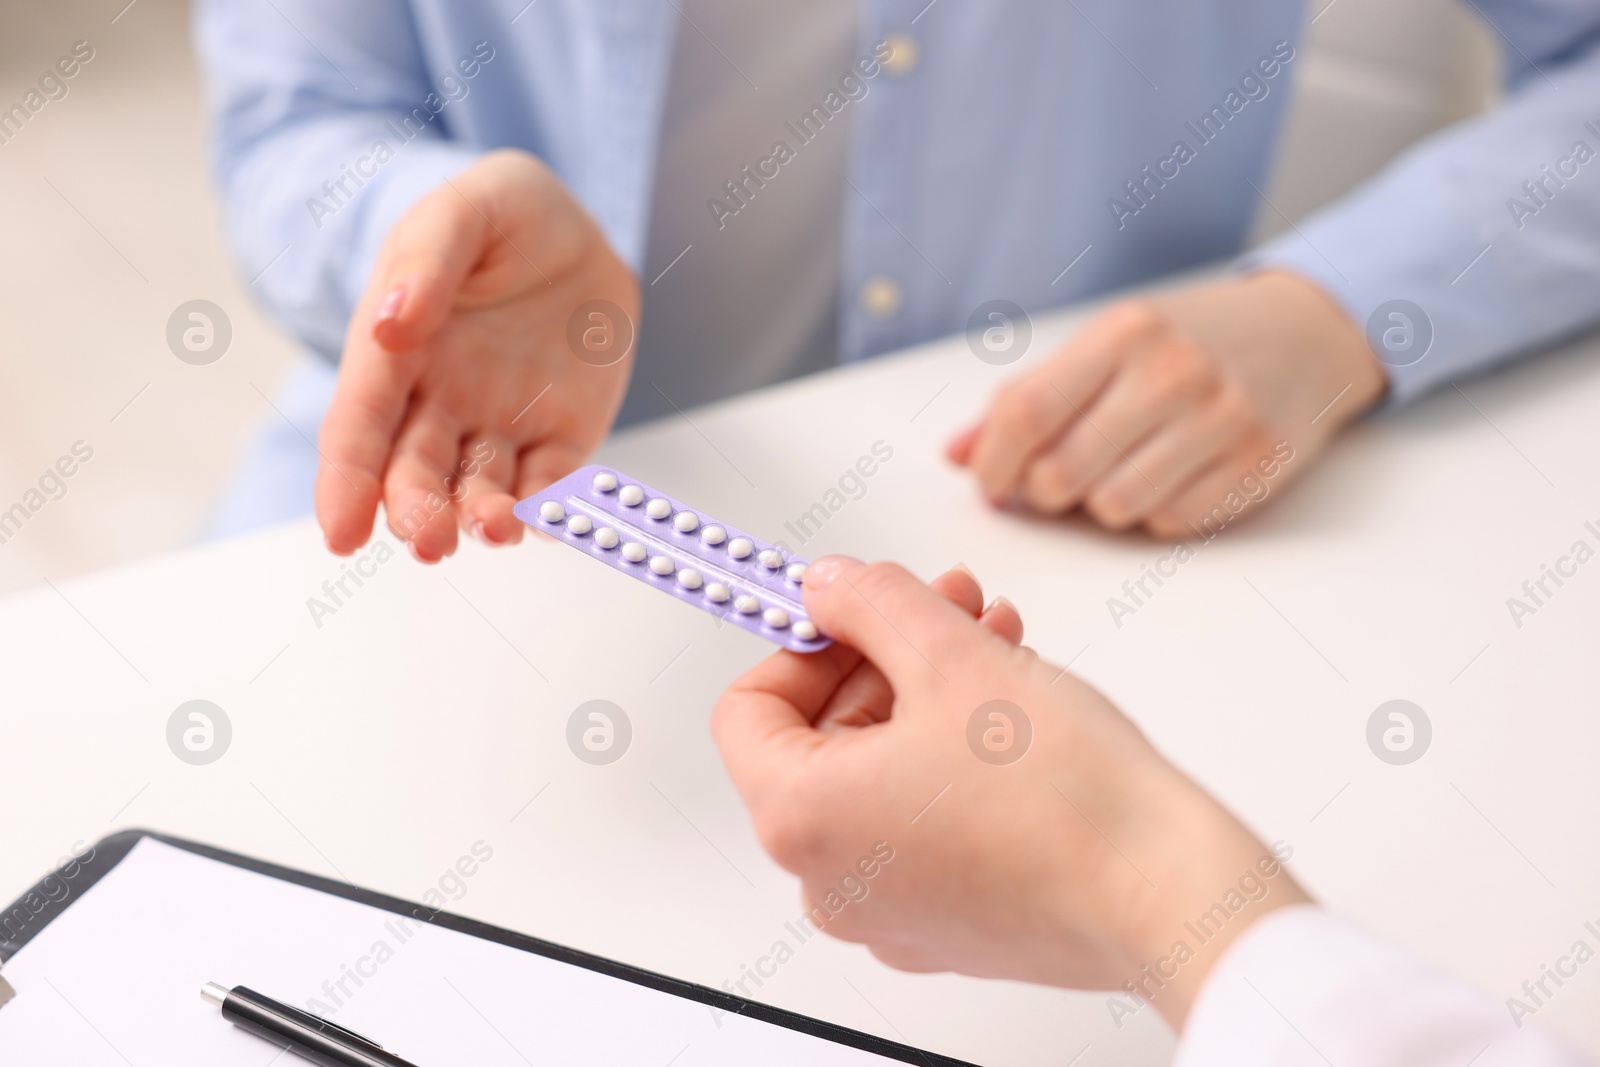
x=717 y=593
x=776 y=618
x=796 y=573
x=713 y=535
x=552 y=511
x=606 y=537
x=633 y=552
x=631 y=496
x=689 y=578
x=740 y=547
x=771 y=559
x=658 y=509
x=579 y=524
x=662 y=565
x=686 y=522
x=605 y=481
x=805 y=630
x=747 y=605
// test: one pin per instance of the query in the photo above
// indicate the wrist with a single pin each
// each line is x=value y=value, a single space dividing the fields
x=1215 y=880
x=1332 y=339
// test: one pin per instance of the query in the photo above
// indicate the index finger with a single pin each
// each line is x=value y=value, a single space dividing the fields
x=1037 y=407
x=357 y=439
x=411 y=290
x=769 y=709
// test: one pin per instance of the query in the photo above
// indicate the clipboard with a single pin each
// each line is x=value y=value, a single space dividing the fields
x=104 y=957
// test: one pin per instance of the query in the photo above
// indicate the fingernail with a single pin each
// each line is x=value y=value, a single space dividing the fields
x=416 y=553
x=1001 y=601
x=822 y=573
x=964 y=569
x=389 y=310
x=480 y=533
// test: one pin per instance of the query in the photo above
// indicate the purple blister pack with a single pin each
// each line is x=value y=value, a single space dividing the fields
x=665 y=543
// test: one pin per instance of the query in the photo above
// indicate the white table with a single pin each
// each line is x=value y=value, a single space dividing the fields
x=428 y=712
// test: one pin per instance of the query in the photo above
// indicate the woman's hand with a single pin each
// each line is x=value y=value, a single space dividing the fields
x=1159 y=408
x=487 y=358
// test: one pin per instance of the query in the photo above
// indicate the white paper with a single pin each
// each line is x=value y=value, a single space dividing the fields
x=115 y=981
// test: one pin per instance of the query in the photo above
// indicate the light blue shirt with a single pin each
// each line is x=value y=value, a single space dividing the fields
x=1039 y=152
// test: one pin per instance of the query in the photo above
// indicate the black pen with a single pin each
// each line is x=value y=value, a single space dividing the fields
x=306 y=1035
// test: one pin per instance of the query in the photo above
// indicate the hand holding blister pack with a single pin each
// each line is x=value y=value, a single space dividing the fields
x=664 y=543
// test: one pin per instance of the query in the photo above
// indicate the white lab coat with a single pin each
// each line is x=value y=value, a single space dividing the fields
x=1304 y=987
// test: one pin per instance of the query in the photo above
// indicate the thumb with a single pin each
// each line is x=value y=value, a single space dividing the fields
x=913 y=634
x=421 y=267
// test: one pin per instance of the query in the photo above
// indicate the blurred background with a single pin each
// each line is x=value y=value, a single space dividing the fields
x=108 y=222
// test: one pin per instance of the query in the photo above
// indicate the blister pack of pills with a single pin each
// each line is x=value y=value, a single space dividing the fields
x=667 y=544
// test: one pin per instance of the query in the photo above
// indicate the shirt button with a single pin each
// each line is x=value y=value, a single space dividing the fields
x=881 y=296
x=902 y=55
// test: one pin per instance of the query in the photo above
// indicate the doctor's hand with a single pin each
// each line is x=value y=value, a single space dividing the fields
x=1163 y=409
x=461 y=388
x=956 y=803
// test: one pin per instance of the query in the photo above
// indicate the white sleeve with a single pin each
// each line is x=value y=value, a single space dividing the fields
x=1303 y=987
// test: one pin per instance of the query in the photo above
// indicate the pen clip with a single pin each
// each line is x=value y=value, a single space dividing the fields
x=331 y=1025
x=304 y=1017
